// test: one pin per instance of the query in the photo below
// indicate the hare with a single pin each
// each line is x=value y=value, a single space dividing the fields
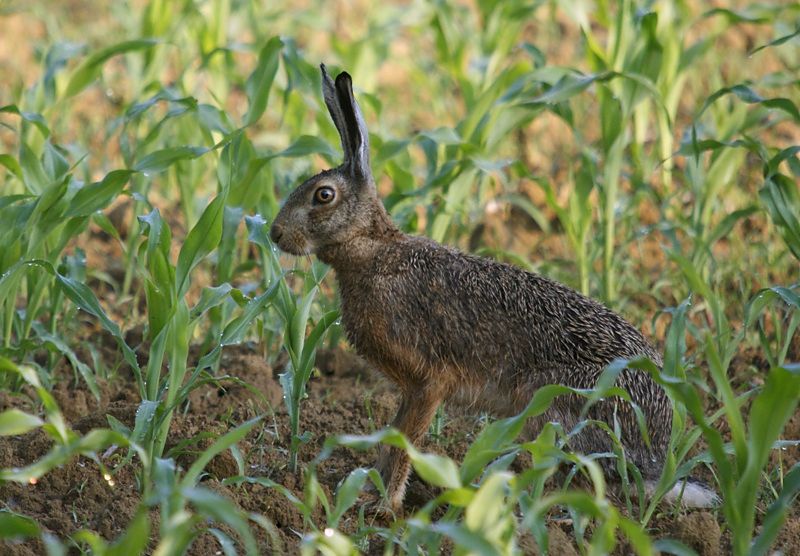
x=443 y=325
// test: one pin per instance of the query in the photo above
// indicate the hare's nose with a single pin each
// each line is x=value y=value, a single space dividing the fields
x=275 y=232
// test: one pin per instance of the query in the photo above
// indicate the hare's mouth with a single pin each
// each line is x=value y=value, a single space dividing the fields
x=294 y=246
x=289 y=240
x=293 y=249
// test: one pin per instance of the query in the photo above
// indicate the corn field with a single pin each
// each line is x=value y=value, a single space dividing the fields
x=170 y=383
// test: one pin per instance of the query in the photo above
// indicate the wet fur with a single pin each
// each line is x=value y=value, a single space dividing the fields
x=446 y=326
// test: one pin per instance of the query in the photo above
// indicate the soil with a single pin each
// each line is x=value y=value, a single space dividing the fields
x=346 y=397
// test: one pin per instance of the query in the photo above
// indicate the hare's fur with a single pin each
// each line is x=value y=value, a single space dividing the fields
x=447 y=326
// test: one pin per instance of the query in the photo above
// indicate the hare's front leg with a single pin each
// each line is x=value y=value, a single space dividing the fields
x=417 y=407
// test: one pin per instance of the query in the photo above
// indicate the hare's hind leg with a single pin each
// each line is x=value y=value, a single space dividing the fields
x=417 y=408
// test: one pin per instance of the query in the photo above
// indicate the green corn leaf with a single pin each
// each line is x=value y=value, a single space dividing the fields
x=53 y=162
x=437 y=470
x=240 y=170
x=225 y=542
x=90 y=68
x=98 y=195
x=726 y=225
x=96 y=544
x=315 y=337
x=469 y=541
x=489 y=511
x=61 y=347
x=236 y=329
x=691 y=146
x=14 y=422
x=611 y=117
x=306 y=145
x=118 y=426
x=33 y=174
x=328 y=543
x=158 y=350
x=637 y=537
x=287 y=382
x=676 y=341
x=152 y=226
x=748 y=95
x=755 y=13
x=494 y=440
x=105 y=224
x=568 y=86
x=347 y=494
x=145 y=421
x=52 y=545
x=670 y=546
x=223 y=443
x=777 y=512
x=12 y=165
x=178 y=532
x=767 y=296
x=83 y=297
x=789 y=155
x=777 y=42
x=94 y=441
x=388 y=150
x=442 y=136
x=299 y=504
x=47 y=212
x=221 y=509
x=210 y=297
x=226 y=254
x=781 y=198
x=719 y=374
x=27 y=372
x=260 y=81
x=296 y=327
x=31 y=117
x=213 y=119
x=201 y=240
x=160 y=284
x=163 y=476
x=135 y=538
x=160 y=160
x=361 y=442
x=497 y=437
x=523 y=202
x=160 y=302
x=257 y=231
x=771 y=409
x=15 y=526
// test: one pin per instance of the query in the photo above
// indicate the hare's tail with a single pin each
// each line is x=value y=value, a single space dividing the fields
x=689 y=493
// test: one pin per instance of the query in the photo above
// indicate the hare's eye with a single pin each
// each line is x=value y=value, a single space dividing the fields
x=324 y=195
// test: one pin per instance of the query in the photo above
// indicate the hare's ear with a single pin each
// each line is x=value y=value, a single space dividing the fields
x=356 y=151
x=332 y=102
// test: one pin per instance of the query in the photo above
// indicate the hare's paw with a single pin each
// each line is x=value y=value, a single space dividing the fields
x=378 y=508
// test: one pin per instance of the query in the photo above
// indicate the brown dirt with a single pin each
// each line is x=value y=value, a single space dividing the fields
x=700 y=531
x=345 y=398
x=789 y=538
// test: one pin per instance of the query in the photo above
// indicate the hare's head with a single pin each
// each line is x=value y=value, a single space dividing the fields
x=332 y=208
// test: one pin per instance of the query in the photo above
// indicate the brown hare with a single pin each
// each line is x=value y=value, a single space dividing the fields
x=448 y=326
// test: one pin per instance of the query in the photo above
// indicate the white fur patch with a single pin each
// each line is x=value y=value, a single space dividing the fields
x=690 y=494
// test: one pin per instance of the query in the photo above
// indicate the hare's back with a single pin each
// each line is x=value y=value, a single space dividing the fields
x=466 y=308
